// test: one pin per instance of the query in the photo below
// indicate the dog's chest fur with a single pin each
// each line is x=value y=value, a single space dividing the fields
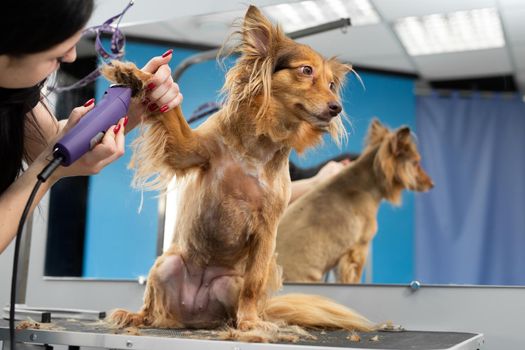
x=225 y=205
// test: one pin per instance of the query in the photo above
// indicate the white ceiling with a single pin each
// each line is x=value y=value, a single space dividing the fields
x=374 y=46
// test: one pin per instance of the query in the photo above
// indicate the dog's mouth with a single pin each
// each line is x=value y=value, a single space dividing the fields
x=320 y=120
x=423 y=187
x=324 y=117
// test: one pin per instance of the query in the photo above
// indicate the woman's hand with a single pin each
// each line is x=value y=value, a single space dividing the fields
x=162 y=92
x=109 y=149
x=330 y=169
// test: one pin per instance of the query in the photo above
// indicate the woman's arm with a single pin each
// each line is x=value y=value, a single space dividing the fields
x=14 y=198
x=301 y=187
x=163 y=94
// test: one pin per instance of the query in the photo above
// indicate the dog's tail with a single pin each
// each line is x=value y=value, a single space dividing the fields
x=313 y=311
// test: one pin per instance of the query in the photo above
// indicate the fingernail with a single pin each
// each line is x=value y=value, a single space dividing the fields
x=125 y=121
x=167 y=53
x=164 y=108
x=116 y=128
x=146 y=101
x=152 y=107
x=151 y=86
x=89 y=102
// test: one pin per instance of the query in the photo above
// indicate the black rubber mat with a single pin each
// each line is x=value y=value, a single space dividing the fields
x=340 y=339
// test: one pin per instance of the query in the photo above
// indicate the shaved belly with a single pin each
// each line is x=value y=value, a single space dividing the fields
x=200 y=297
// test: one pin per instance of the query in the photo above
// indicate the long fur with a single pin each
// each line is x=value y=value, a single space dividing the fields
x=233 y=174
x=333 y=225
x=314 y=311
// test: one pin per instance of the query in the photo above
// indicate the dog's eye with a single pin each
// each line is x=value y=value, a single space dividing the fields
x=332 y=86
x=307 y=70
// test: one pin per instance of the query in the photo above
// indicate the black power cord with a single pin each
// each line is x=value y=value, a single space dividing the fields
x=42 y=177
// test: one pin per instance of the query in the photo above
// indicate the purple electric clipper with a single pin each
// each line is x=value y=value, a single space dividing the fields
x=91 y=127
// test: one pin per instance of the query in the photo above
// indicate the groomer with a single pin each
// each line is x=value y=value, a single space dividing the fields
x=35 y=37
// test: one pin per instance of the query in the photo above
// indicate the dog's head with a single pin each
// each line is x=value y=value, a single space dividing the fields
x=397 y=161
x=291 y=90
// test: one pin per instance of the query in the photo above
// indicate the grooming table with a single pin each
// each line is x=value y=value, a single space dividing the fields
x=77 y=333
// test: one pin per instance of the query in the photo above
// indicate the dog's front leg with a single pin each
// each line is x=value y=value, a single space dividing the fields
x=351 y=264
x=184 y=147
x=255 y=280
x=167 y=147
x=169 y=142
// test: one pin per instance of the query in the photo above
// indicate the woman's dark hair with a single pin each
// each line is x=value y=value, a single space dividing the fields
x=26 y=27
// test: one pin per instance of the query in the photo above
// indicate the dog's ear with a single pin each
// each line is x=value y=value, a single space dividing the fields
x=400 y=141
x=258 y=33
x=339 y=70
x=376 y=133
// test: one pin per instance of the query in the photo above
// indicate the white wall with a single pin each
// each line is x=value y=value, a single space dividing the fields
x=6 y=266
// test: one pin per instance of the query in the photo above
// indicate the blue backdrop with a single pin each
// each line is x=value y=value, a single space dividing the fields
x=121 y=243
x=470 y=228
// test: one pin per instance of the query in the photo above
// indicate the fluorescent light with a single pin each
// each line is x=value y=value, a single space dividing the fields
x=286 y=15
x=338 y=7
x=361 y=12
x=290 y=14
x=300 y=15
x=314 y=10
x=452 y=32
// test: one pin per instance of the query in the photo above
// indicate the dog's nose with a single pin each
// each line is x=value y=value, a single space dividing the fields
x=334 y=108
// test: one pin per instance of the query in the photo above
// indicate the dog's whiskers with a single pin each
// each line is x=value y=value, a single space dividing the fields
x=358 y=78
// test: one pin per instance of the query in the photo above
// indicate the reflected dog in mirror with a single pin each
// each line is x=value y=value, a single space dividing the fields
x=332 y=225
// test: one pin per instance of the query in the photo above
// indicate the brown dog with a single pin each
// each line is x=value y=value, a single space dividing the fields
x=235 y=185
x=332 y=225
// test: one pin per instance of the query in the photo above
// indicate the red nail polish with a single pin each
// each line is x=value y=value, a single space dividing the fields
x=167 y=53
x=145 y=102
x=125 y=121
x=89 y=102
x=151 y=86
x=116 y=129
x=152 y=107
x=164 y=108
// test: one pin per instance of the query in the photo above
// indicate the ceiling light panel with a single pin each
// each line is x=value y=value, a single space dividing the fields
x=304 y=14
x=452 y=32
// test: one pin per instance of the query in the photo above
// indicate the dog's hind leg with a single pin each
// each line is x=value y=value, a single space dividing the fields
x=181 y=294
x=351 y=264
x=155 y=311
x=121 y=318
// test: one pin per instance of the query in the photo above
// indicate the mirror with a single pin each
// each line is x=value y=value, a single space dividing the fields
x=465 y=115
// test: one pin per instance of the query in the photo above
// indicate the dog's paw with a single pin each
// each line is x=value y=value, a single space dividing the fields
x=258 y=324
x=121 y=318
x=127 y=74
